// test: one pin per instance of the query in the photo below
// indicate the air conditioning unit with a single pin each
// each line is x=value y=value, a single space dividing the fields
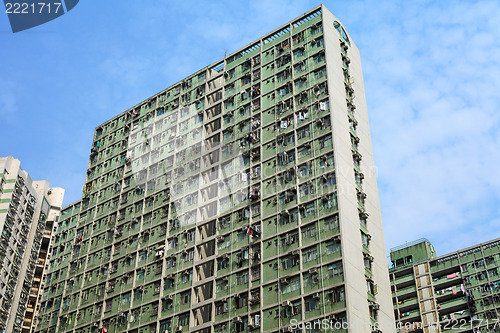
x=332 y=317
x=286 y=329
x=313 y=270
x=286 y=303
x=284 y=280
x=237 y=320
x=179 y=329
x=316 y=296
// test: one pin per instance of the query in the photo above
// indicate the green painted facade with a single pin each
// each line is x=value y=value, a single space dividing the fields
x=457 y=292
x=151 y=248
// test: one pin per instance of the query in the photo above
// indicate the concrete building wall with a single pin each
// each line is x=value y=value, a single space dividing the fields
x=458 y=291
x=232 y=200
x=24 y=209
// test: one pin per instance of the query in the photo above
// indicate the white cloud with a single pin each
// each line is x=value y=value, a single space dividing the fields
x=431 y=78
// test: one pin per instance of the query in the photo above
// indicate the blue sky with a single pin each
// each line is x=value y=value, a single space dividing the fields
x=431 y=71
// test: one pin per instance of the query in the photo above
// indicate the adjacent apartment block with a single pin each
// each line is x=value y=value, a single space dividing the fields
x=28 y=212
x=242 y=199
x=457 y=292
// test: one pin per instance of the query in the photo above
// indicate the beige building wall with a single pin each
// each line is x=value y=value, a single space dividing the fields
x=18 y=193
x=356 y=290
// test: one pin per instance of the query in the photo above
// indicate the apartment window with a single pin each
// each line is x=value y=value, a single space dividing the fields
x=305 y=170
x=172 y=243
x=286 y=157
x=292 y=286
x=309 y=232
x=165 y=325
x=338 y=295
x=189 y=255
x=325 y=141
x=319 y=42
x=284 y=91
x=319 y=57
x=242 y=278
x=332 y=247
x=320 y=73
x=309 y=254
x=184 y=112
x=317 y=28
x=186 y=297
x=190 y=235
x=326 y=160
x=138 y=294
x=222 y=263
x=365 y=239
x=289 y=239
x=335 y=270
x=368 y=263
x=140 y=275
x=332 y=223
x=310 y=304
x=242 y=300
x=184 y=319
x=187 y=276
x=329 y=180
x=330 y=201
x=303 y=116
x=220 y=308
x=292 y=311
x=245 y=80
x=167 y=284
x=289 y=262
x=171 y=263
x=306 y=189
x=298 y=53
x=300 y=68
x=283 y=61
x=309 y=209
x=221 y=328
x=126 y=298
x=229 y=89
x=311 y=279
x=224 y=243
x=304 y=150
x=242 y=236
x=221 y=285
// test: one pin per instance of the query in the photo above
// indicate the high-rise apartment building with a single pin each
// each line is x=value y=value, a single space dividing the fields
x=242 y=198
x=28 y=212
x=456 y=292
